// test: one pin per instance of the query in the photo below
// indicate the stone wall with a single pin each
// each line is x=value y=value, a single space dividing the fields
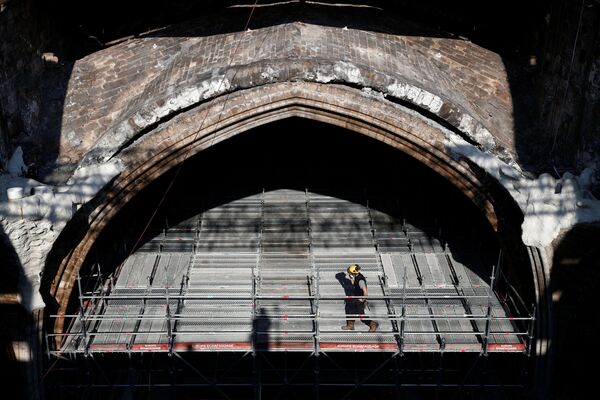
x=20 y=68
x=29 y=56
x=570 y=84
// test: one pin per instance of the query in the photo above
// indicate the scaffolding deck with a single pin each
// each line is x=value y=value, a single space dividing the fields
x=267 y=272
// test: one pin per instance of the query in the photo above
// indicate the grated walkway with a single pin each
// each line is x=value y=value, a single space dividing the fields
x=267 y=272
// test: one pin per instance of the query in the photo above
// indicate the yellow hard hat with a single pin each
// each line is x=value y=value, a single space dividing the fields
x=354 y=269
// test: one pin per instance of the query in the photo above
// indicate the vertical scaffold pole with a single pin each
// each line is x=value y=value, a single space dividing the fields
x=169 y=327
x=82 y=317
x=530 y=331
x=403 y=320
x=254 y=315
x=488 y=318
x=317 y=311
x=314 y=280
x=47 y=345
x=498 y=266
x=440 y=379
x=317 y=371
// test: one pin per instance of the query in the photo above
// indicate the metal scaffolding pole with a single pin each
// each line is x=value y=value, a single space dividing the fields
x=316 y=280
x=317 y=380
x=82 y=316
x=374 y=372
x=201 y=375
x=531 y=328
x=403 y=314
x=488 y=319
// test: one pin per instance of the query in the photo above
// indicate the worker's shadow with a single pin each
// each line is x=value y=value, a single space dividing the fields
x=349 y=305
x=345 y=283
x=260 y=330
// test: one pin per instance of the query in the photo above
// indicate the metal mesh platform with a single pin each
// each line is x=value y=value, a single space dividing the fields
x=267 y=272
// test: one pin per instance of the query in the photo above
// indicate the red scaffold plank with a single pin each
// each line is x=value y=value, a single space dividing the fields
x=203 y=346
x=150 y=347
x=108 y=348
x=290 y=346
x=359 y=347
x=496 y=347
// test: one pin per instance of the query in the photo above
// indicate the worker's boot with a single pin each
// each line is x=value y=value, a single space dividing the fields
x=373 y=326
x=349 y=326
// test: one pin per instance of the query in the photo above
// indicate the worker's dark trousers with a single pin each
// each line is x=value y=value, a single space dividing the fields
x=354 y=306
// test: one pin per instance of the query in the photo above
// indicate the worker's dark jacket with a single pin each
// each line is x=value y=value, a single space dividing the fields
x=355 y=306
x=356 y=285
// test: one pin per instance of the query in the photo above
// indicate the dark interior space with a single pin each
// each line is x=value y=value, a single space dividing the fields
x=575 y=279
x=12 y=315
x=299 y=154
x=290 y=376
x=305 y=155
x=94 y=25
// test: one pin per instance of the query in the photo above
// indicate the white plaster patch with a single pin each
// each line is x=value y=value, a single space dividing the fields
x=183 y=99
x=413 y=94
x=122 y=132
x=416 y=95
x=320 y=76
x=434 y=103
x=348 y=72
x=215 y=86
x=398 y=89
x=484 y=138
x=425 y=98
x=466 y=124
x=269 y=74
x=373 y=93
x=475 y=131
x=142 y=119
x=180 y=100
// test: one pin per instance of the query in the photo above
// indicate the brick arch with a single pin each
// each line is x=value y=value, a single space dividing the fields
x=186 y=135
x=120 y=92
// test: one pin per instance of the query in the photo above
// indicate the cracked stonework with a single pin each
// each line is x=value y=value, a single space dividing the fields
x=550 y=206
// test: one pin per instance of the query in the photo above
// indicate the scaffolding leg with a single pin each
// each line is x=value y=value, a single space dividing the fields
x=466 y=378
x=373 y=373
x=231 y=367
x=130 y=375
x=88 y=378
x=201 y=375
x=440 y=380
x=398 y=376
x=316 y=382
x=484 y=372
x=256 y=373
x=172 y=378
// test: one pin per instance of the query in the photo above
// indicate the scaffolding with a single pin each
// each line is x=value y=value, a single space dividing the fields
x=266 y=274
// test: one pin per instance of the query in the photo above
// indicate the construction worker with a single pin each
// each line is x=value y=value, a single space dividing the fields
x=357 y=306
